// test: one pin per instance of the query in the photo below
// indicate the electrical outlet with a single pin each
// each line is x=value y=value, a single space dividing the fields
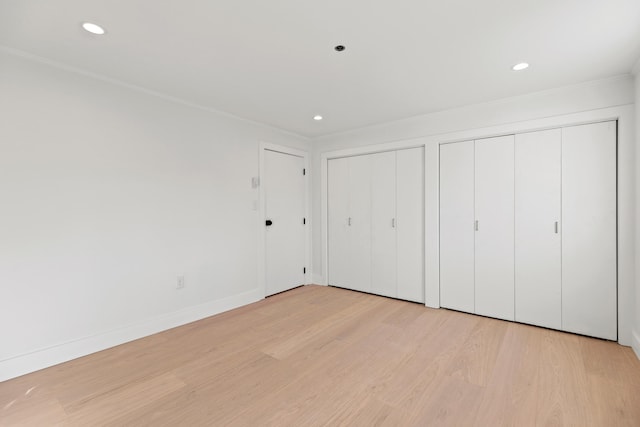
x=180 y=283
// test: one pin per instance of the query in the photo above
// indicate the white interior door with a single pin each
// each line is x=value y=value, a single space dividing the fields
x=338 y=229
x=284 y=192
x=410 y=223
x=359 y=256
x=383 y=224
x=494 y=255
x=589 y=282
x=456 y=226
x=537 y=228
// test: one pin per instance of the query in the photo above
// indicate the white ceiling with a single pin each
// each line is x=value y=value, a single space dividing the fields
x=273 y=60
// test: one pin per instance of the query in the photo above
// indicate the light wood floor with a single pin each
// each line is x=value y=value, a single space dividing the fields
x=327 y=356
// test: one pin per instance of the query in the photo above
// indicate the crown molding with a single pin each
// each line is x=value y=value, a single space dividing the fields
x=136 y=88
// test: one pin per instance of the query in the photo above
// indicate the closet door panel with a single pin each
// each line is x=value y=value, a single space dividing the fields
x=410 y=223
x=456 y=226
x=383 y=221
x=494 y=242
x=338 y=229
x=537 y=228
x=589 y=282
x=359 y=257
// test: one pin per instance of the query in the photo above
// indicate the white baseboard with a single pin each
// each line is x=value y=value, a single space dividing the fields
x=635 y=342
x=50 y=356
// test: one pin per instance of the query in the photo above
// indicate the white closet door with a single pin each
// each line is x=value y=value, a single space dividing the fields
x=456 y=226
x=537 y=228
x=410 y=223
x=383 y=222
x=359 y=257
x=494 y=255
x=589 y=230
x=338 y=230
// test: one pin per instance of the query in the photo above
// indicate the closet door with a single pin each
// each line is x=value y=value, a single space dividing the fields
x=456 y=226
x=383 y=223
x=338 y=230
x=410 y=223
x=537 y=228
x=494 y=202
x=589 y=281
x=359 y=256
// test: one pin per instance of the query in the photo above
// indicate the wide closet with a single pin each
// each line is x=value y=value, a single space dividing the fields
x=375 y=205
x=528 y=228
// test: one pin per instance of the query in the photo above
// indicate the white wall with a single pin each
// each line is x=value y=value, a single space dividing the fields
x=593 y=101
x=636 y=332
x=107 y=194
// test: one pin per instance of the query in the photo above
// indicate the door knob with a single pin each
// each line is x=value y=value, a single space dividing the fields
x=268 y=222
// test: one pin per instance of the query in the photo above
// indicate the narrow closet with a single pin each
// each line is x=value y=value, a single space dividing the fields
x=376 y=223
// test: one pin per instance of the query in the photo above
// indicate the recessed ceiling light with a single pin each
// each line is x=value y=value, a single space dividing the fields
x=339 y=48
x=521 y=66
x=93 y=28
x=317 y=118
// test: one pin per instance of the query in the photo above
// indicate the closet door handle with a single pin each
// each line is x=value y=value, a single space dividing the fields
x=393 y=222
x=556 y=227
x=349 y=222
x=477 y=225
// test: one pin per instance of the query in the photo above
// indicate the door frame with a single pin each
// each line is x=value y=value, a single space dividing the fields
x=262 y=205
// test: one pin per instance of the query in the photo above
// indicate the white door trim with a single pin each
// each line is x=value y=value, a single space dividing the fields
x=262 y=236
x=626 y=196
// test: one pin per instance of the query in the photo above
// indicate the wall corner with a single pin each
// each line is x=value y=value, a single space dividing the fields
x=635 y=343
x=635 y=339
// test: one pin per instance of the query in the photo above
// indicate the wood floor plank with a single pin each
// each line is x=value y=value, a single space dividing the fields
x=563 y=376
x=212 y=399
x=322 y=356
x=511 y=394
x=428 y=359
x=613 y=404
x=369 y=412
x=322 y=328
x=107 y=407
x=30 y=409
x=477 y=357
x=454 y=402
